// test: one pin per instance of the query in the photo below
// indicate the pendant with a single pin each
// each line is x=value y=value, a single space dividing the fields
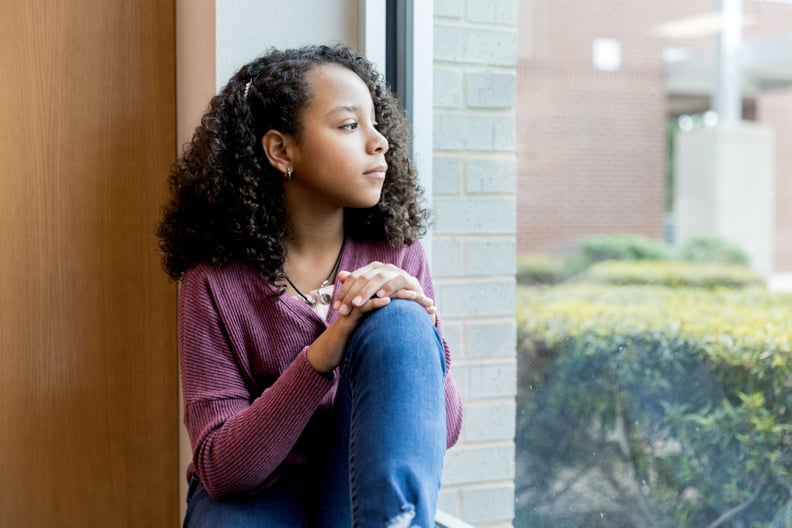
x=324 y=298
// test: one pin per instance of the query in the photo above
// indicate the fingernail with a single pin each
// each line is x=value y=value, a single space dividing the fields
x=336 y=305
x=357 y=301
x=344 y=310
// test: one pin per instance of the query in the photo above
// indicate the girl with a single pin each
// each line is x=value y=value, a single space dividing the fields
x=316 y=380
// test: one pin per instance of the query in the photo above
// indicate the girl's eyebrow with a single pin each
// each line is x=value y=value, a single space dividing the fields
x=343 y=108
x=352 y=109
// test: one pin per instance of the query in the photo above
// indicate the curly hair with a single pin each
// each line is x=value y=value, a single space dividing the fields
x=227 y=200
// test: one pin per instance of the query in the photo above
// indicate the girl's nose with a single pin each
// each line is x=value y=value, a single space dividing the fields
x=378 y=143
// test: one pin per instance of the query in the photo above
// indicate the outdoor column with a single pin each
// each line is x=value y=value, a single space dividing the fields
x=725 y=178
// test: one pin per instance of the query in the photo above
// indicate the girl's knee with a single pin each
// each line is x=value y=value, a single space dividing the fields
x=402 y=326
x=400 y=319
x=402 y=312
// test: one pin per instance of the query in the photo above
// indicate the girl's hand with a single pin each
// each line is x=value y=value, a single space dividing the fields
x=363 y=290
x=372 y=287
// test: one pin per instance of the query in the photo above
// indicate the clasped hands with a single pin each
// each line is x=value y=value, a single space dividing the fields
x=363 y=290
x=374 y=285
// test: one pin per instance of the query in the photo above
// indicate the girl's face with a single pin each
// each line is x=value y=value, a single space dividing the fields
x=339 y=159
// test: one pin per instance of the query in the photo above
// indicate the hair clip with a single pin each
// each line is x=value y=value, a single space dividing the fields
x=247 y=87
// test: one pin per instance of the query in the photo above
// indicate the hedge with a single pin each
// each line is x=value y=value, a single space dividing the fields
x=649 y=406
x=552 y=269
x=544 y=269
x=597 y=248
x=673 y=274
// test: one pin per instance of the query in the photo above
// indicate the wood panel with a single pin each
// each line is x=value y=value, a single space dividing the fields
x=88 y=365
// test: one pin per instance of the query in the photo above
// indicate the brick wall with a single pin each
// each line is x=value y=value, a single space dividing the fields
x=591 y=153
x=591 y=144
x=474 y=245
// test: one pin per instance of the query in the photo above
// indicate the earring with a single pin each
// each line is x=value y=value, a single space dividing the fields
x=288 y=175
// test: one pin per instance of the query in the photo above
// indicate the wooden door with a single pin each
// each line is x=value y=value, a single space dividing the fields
x=88 y=364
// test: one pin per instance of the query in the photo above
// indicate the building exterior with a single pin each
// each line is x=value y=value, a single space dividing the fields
x=599 y=84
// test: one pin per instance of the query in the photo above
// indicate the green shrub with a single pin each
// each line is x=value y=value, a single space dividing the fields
x=713 y=249
x=670 y=273
x=552 y=269
x=649 y=406
x=542 y=269
x=623 y=247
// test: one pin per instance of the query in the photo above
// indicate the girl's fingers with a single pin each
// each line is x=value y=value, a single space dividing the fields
x=373 y=304
x=377 y=281
x=412 y=295
x=353 y=281
x=363 y=284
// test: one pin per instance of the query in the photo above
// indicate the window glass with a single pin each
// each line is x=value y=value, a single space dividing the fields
x=654 y=246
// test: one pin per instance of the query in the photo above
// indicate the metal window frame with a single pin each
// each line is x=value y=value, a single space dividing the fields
x=399 y=46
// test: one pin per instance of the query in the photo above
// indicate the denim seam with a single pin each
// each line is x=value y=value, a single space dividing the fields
x=352 y=430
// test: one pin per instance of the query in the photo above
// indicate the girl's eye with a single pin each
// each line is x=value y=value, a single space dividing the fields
x=350 y=126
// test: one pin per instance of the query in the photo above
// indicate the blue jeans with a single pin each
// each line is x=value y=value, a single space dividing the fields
x=285 y=505
x=388 y=438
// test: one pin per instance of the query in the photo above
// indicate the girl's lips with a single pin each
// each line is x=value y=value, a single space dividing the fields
x=377 y=172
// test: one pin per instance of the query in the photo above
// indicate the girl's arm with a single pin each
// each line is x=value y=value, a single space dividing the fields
x=238 y=441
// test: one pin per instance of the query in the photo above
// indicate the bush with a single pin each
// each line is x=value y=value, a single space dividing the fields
x=648 y=406
x=542 y=269
x=552 y=269
x=674 y=274
x=623 y=247
x=712 y=249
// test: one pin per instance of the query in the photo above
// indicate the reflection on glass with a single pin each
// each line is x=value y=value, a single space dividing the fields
x=655 y=242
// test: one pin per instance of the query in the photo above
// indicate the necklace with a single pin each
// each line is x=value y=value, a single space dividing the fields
x=323 y=297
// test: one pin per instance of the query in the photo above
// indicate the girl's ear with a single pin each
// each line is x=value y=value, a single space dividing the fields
x=275 y=144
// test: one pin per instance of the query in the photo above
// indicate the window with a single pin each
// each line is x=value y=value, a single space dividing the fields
x=655 y=241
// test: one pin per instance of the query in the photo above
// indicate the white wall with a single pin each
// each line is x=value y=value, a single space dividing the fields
x=247 y=28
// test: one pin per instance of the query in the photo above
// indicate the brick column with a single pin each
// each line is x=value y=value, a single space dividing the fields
x=474 y=245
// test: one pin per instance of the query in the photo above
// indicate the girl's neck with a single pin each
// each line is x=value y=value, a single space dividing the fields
x=316 y=233
x=315 y=225
x=312 y=250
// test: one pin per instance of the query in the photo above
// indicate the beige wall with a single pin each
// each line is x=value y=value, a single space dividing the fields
x=88 y=368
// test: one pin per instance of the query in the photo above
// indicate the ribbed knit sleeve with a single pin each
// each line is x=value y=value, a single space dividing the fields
x=238 y=439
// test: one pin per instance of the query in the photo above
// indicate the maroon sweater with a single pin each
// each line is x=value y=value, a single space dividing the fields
x=253 y=406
